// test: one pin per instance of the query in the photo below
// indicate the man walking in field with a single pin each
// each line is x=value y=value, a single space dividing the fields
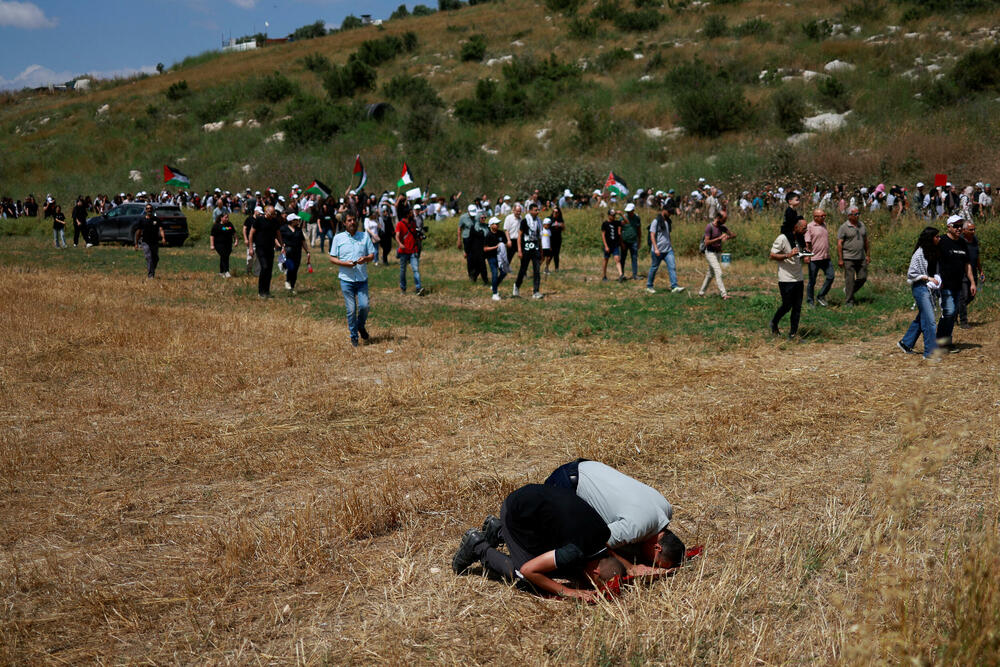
x=818 y=243
x=149 y=238
x=661 y=250
x=263 y=239
x=351 y=251
x=853 y=254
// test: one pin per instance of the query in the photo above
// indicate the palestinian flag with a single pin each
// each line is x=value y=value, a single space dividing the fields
x=359 y=168
x=617 y=185
x=172 y=176
x=317 y=188
x=406 y=179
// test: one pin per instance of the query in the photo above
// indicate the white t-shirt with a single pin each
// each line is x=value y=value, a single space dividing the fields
x=371 y=226
x=546 y=237
x=789 y=270
x=512 y=225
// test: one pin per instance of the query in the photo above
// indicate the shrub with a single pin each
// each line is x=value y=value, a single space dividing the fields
x=412 y=90
x=449 y=5
x=564 y=6
x=687 y=76
x=715 y=26
x=315 y=62
x=582 y=28
x=639 y=20
x=263 y=113
x=474 y=49
x=401 y=13
x=754 y=27
x=833 y=91
x=528 y=70
x=273 y=88
x=816 y=30
x=375 y=52
x=410 y=41
x=311 y=31
x=978 y=69
x=210 y=108
x=313 y=120
x=422 y=124
x=712 y=108
x=608 y=60
x=153 y=111
x=788 y=110
x=349 y=80
x=422 y=10
x=551 y=177
x=350 y=22
x=606 y=10
x=639 y=4
x=864 y=10
x=178 y=90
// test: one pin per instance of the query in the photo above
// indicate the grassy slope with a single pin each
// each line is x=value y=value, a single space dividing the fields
x=893 y=136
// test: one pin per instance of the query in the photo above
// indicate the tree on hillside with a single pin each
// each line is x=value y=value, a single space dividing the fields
x=350 y=22
x=401 y=13
x=422 y=10
x=311 y=31
x=449 y=5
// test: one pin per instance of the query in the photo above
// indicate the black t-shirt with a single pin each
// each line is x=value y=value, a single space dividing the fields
x=58 y=221
x=493 y=239
x=265 y=230
x=248 y=225
x=792 y=217
x=292 y=239
x=223 y=233
x=972 y=247
x=79 y=214
x=612 y=231
x=150 y=231
x=31 y=208
x=954 y=258
x=541 y=518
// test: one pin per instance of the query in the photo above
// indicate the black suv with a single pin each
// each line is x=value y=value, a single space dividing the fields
x=121 y=224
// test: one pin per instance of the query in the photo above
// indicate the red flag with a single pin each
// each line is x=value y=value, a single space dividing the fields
x=940 y=180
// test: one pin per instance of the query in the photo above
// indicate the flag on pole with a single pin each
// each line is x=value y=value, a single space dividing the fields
x=172 y=176
x=940 y=180
x=617 y=185
x=359 y=168
x=407 y=179
x=317 y=188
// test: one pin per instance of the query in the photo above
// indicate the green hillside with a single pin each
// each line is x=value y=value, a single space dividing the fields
x=521 y=94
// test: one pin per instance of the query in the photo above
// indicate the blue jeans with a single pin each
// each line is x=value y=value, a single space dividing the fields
x=632 y=248
x=814 y=268
x=325 y=236
x=496 y=274
x=356 y=300
x=923 y=323
x=654 y=264
x=949 y=308
x=414 y=262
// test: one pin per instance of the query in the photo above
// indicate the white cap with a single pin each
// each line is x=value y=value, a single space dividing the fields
x=701 y=180
x=281 y=198
x=295 y=187
x=218 y=190
x=567 y=193
x=352 y=192
x=258 y=209
x=434 y=195
x=597 y=192
x=291 y=216
x=948 y=184
x=494 y=220
x=955 y=221
x=473 y=209
x=920 y=185
x=546 y=221
x=506 y=197
x=629 y=207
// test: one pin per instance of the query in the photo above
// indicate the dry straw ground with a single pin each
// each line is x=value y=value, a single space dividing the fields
x=188 y=476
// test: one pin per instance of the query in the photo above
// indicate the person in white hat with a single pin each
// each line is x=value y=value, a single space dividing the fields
x=954 y=268
x=293 y=241
x=631 y=237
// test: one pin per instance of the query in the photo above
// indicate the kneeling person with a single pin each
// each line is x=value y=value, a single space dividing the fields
x=637 y=515
x=546 y=529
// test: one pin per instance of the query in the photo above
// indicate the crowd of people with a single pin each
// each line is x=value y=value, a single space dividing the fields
x=359 y=228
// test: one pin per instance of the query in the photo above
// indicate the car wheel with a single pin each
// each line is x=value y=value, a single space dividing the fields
x=92 y=237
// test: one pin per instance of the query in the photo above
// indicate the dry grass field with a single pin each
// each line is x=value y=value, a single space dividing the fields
x=188 y=475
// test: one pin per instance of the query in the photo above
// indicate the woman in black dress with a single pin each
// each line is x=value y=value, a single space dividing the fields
x=223 y=240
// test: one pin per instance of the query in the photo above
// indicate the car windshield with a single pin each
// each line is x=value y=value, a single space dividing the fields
x=168 y=210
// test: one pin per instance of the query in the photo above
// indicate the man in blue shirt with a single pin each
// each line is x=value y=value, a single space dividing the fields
x=351 y=250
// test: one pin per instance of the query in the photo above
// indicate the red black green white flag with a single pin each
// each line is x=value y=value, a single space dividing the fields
x=317 y=188
x=359 y=168
x=616 y=184
x=174 y=177
x=407 y=179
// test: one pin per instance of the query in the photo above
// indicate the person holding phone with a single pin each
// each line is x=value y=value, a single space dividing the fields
x=785 y=251
x=351 y=251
